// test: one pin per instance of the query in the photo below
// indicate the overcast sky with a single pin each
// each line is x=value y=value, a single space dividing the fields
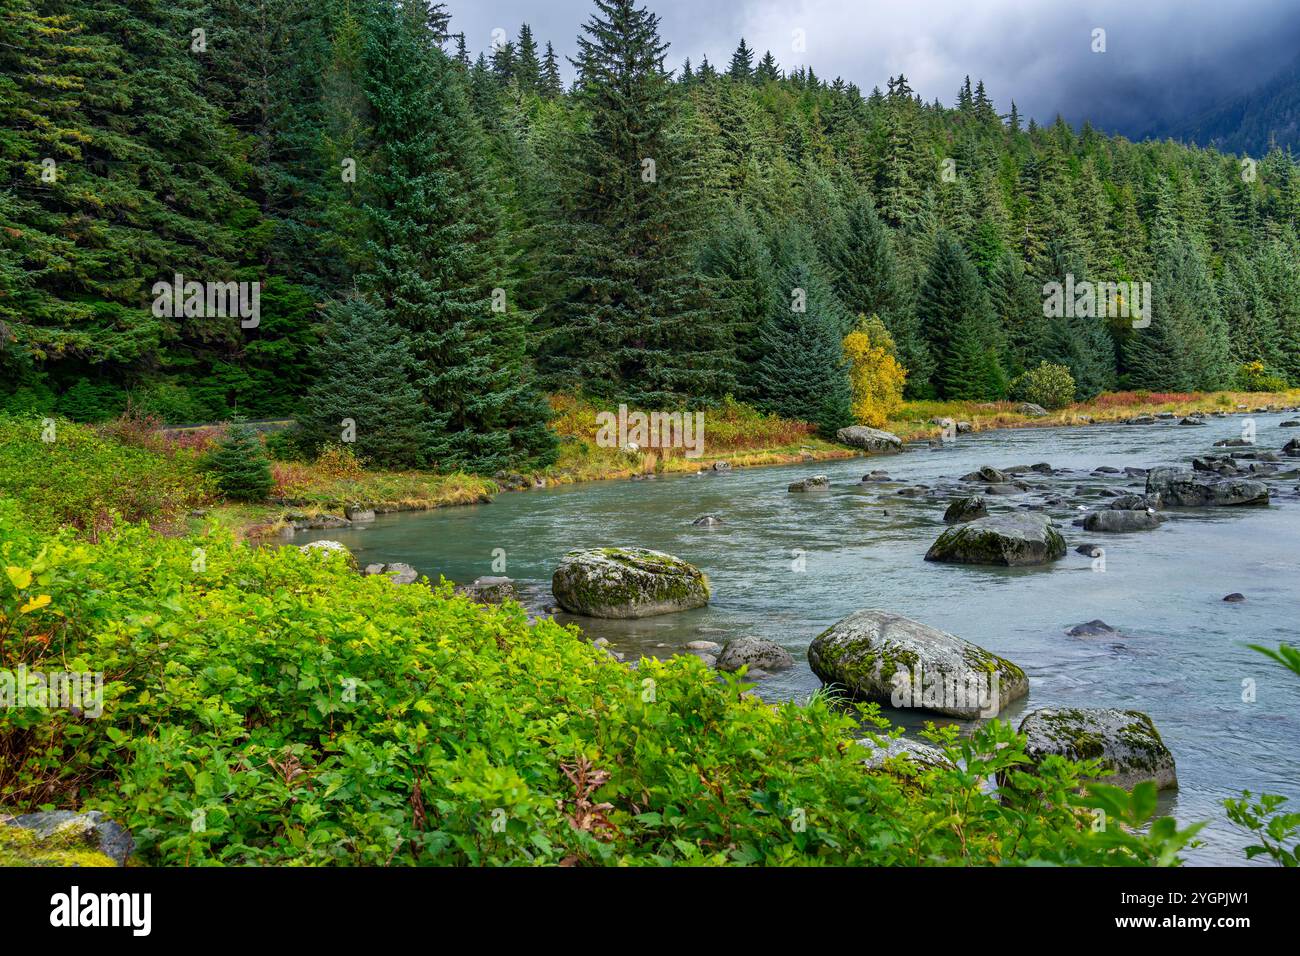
x=1163 y=58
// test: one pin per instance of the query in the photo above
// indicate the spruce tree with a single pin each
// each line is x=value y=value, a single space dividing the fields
x=239 y=461
x=551 y=84
x=367 y=374
x=958 y=322
x=438 y=269
x=800 y=371
x=631 y=315
x=742 y=63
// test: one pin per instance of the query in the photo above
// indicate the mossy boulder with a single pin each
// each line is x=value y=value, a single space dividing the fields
x=813 y=483
x=1010 y=539
x=63 y=838
x=884 y=657
x=627 y=583
x=966 y=509
x=1126 y=741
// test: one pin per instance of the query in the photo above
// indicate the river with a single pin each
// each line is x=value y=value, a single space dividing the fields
x=786 y=566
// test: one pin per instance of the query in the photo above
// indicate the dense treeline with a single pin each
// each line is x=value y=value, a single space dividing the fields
x=441 y=237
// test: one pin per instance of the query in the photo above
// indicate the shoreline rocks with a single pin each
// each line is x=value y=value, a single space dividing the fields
x=884 y=657
x=869 y=439
x=1126 y=741
x=627 y=583
x=1013 y=540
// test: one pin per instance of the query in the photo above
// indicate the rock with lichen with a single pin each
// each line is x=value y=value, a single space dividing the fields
x=63 y=838
x=1125 y=741
x=627 y=583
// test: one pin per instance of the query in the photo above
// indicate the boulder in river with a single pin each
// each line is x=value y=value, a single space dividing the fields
x=884 y=657
x=812 y=483
x=869 y=439
x=756 y=652
x=1236 y=597
x=988 y=474
x=1292 y=448
x=627 y=583
x=1007 y=539
x=966 y=509
x=1183 y=487
x=1126 y=741
x=1117 y=521
x=1134 y=503
x=707 y=521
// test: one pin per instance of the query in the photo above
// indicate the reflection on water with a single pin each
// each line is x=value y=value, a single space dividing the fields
x=785 y=566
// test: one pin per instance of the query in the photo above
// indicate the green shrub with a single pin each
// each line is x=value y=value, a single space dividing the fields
x=265 y=706
x=88 y=401
x=239 y=461
x=61 y=473
x=1050 y=386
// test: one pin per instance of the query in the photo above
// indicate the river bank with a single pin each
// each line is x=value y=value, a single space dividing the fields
x=735 y=436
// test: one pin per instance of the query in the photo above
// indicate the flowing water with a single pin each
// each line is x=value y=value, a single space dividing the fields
x=786 y=566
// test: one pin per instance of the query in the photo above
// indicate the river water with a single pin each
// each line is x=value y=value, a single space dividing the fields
x=786 y=566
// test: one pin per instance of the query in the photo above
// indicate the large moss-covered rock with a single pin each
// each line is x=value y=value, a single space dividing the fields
x=63 y=838
x=885 y=657
x=1126 y=741
x=1183 y=487
x=1006 y=539
x=869 y=439
x=627 y=583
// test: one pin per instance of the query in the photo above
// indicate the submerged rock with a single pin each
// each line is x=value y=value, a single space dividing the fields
x=707 y=521
x=884 y=657
x=1011 y=539
x=1236 y=597
x=1094 y=628
x=757 y=652
x=869 y=439
x=1183 y=487
x=627 y=583
x=1126 y=741
x=813 y=483
x=966 y=509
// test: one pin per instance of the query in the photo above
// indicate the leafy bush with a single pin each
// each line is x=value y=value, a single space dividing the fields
x=266 y=706
x=88 y=401
x=339 y=461
x=90 y=481
x=1256 y=377
x=875 y=376
x=1050 y=386
x=240 y=464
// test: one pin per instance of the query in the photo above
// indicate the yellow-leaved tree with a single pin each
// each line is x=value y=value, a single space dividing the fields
x=874 y=373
